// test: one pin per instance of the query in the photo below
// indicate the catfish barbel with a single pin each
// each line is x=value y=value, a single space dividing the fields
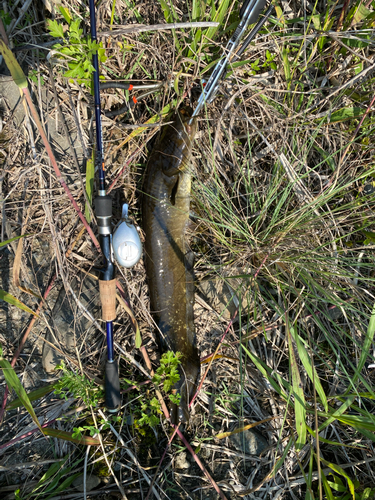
x=169 y=264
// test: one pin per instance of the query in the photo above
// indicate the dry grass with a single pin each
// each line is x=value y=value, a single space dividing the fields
x=282 y=212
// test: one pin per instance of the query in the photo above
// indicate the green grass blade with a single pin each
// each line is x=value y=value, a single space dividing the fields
x=67 y=436
x=3 y=243
x=53 y=469
x=66 y=14
x=340 y=470
x=64 y=485
x=357 y=422
x=218 y=17
x=366 y=346
x=112 y=13
x=266 y=371
x=167 y=12
x=327 y=488
x=335 y=415
x=299 y=397
x=14 y=383
x=90 y=173
x=310 y=369
x=7 y=297
x=33 y=396
x=15 y=69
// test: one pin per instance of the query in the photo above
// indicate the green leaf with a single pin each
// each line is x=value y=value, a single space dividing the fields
x=326 y=156
x=370 y=236
x=55 y=28
x=15 y=69
x=361 y=13
x=14 y=383
x=367 y=493
x=7 y=297
x=357 y=422
x=74 y=29
x=218 y=17
x=332 y=417
x=138 y=338
x=166 y=11
x=268 y=373
x=68 y=436
x=328 y=441
x=65 y=13
x=316 y=19
x=286 y=63
x=360 y=42
x=73 y=73
x=346 y=114
x=54 y=468
x=33 y=396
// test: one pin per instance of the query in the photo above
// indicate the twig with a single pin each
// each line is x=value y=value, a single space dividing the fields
x=180 y=435
x=31 y=324
x=129 y=453
x=157 y=27
x=67 y=135
x=56 y=168
x=27 y=434
x=159 y=465
x=127 y=163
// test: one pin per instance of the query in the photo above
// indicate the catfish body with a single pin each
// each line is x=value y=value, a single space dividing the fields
x=169 y=265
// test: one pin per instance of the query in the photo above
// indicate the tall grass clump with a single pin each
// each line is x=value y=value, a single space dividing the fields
x=284 y=211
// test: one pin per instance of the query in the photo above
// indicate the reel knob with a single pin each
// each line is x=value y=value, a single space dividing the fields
x=126 y=243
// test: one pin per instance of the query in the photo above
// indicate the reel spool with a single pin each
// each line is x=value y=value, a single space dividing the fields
x=126 y=243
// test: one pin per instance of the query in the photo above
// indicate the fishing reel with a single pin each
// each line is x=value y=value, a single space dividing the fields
x=126 y=243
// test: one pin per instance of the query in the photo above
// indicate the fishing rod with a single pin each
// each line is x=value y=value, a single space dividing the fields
x=128 y=247
x=103 y=211
x=249 y=13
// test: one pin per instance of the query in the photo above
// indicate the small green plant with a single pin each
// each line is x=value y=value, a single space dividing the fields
x=148 y=411
x=76 y=51
x=104 y=424
x=5 y=17
x=79 y=385
x=269 y=63
x=167 y=373
x=33 y=75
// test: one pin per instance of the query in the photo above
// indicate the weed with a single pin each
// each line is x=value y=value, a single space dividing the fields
x=76 y=51
x=148 y=413
x=167 y=373
x=79 y=385
x=146 y=409
x=33 y=75
x=5 y=17
x=57 y=479
x=93 y=431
